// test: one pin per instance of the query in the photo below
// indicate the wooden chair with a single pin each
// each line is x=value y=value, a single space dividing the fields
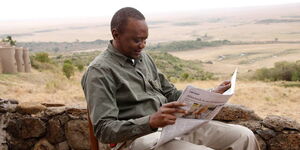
x=93 y=140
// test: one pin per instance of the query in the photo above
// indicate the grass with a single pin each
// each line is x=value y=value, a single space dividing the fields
x=43 y=86
x=290 y=84
x=48 y=87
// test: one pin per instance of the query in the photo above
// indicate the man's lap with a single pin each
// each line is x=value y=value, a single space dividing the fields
x=214 y=134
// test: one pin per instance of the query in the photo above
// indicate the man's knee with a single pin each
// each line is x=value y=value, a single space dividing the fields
x=244 y=132
x=182 y=145
x=246 y=139
x=145 y=142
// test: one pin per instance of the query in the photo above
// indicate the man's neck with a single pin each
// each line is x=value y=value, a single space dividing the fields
x=117 y=47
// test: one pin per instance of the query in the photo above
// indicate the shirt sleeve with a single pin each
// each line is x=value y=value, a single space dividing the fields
x=168 y=89
x=100 y=89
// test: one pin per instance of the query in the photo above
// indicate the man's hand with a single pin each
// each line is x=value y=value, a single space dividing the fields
x=225 y=85
x=166 y=115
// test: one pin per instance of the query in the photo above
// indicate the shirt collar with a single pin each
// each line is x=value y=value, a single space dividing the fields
x=123 y=60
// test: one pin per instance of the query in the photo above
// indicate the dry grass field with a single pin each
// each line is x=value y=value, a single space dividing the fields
x=42 y=87
x=47 y=87
x=246 y=57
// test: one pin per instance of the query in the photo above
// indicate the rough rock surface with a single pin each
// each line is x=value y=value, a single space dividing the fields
x=64 y=128
x=281 y=123
x=233 y=112
x=8 y=105
x=43 y=144
x=266 y=133
x=62 y=146
x=52 y=111
x=55 y=132
x=80 y=129
x=251 y=124
x=26 y=127
x=20 y=144
x=30 y=108
x=285 y=141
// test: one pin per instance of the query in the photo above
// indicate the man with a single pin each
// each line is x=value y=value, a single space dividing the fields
x=129 y=99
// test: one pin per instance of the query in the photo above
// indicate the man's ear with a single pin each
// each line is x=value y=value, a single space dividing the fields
x=115 y=34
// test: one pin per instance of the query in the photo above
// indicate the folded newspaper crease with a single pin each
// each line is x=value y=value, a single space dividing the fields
x=202 y=106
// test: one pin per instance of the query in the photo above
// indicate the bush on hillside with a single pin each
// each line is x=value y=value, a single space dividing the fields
x=287 y=71
x=68 y=69
x=41 y=61
x=177 y=69
x=42 y=57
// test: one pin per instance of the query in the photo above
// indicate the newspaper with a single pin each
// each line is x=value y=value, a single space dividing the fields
x=202 y=106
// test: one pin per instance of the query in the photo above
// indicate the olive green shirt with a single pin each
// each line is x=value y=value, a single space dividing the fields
x=122 y=93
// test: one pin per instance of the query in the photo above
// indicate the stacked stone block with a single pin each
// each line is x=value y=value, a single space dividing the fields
x=14 y=59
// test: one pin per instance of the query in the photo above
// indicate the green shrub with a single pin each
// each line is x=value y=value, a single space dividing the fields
x=41 y=62
x=68 y=70
x=80 y=67
x=67 y=61
x=287 y=71
x=42 y=57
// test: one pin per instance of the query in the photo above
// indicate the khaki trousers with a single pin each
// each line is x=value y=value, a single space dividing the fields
x=212 y=135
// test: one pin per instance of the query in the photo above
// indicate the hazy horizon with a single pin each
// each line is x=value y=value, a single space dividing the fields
x=56 y=9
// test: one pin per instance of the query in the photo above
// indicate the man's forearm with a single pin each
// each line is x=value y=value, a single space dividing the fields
x=116 y=131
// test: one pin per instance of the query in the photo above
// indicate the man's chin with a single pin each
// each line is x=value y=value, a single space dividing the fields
x=136 y=55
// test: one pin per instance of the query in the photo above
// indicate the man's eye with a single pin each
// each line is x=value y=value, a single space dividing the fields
x=136 y=40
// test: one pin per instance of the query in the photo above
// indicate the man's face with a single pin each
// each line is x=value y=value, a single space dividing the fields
x=132 y=40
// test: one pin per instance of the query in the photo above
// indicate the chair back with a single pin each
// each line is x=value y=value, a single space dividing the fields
x=93 y=140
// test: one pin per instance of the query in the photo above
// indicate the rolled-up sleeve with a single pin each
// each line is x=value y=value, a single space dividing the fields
x=100 y=91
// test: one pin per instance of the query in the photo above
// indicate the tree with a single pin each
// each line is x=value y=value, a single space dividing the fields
x=9 y=40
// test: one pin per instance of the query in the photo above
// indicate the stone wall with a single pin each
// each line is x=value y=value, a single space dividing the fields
x=57 y=127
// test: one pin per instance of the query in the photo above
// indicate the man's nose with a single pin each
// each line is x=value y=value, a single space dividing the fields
x=142 y=44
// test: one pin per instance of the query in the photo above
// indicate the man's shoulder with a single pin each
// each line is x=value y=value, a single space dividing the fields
x=147 y=56
x=103 y=61
x=148 y=59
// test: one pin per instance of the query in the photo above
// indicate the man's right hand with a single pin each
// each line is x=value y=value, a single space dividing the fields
x=166 y=115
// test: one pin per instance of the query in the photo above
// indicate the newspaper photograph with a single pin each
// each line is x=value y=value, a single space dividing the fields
x=202 y=106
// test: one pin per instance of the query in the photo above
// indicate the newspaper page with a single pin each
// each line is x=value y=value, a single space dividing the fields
x=202 y=106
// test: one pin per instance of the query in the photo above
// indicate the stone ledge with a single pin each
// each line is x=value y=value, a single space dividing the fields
x=56 y=126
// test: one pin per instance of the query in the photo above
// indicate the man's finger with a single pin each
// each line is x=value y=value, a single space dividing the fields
x=223 y=88
x=167 y=110
x=174 y=104
x=225 y=82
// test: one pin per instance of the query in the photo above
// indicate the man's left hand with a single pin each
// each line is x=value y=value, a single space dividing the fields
x=225 y=85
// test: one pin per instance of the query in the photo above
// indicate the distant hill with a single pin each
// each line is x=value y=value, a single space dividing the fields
x=62 y=46
x=174 y=68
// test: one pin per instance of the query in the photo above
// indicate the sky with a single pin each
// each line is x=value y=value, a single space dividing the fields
x=11 y=10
